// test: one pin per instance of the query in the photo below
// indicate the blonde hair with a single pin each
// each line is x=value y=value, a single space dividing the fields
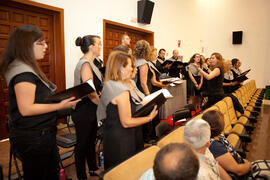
x=142 y=50
x=226 y=64
x=117 y=60
x=152 y=53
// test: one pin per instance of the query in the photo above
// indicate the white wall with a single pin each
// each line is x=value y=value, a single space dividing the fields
x=197 y=23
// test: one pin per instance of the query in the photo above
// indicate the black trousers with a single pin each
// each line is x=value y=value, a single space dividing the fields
x=84 y=118
x=38 y=153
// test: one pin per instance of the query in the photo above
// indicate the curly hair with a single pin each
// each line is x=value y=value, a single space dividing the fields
x=142 y=50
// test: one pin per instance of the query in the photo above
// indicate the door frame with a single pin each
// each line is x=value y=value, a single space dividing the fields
x=149 y=35
x=59 y=42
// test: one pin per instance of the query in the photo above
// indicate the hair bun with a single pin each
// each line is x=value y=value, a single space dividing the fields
x=78 y=41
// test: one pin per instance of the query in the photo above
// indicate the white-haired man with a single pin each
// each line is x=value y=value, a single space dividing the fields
x=197 y=135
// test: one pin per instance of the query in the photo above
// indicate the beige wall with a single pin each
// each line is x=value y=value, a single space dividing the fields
x=198 y=24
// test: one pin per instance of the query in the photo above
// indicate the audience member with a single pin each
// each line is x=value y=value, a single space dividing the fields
x=32 y=128
x=84 y=115
x=222 y=150
x=116 y=108
x=195 y=81
x=197 y=134
x=176 y=161
x=214 y=78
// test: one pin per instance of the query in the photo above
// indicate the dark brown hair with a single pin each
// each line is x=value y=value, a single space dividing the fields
x=216 y=122
x=192 y=59
x=85 y=42
x=20 y=46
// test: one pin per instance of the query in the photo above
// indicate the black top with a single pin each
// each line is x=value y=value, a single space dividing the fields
x=235 y=74
x=87 y=102
x=215 y=85
x=119 y=143
x=149 y=77
x=36 y=122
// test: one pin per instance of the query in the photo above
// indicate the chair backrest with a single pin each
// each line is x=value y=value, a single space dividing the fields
x=133 y=167
x=234 y=140
x=161 y=129
x=231 y=110
x=176 y=136
x=222 y=106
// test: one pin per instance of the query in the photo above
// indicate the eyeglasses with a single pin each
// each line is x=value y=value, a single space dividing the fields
x=41 y=43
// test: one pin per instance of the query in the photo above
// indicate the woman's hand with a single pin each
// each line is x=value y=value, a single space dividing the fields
x=153 y=113
x=68 y=103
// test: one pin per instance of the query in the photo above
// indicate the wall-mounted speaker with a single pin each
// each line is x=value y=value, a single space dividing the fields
x=144 y=11
x=237 y=37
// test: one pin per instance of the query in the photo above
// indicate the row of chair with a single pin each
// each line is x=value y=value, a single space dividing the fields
x=237 y=129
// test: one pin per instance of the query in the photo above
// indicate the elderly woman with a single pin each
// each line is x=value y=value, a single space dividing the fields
x=197 y=135
x=222 y=150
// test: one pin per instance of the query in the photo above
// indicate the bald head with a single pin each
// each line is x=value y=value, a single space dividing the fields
x=176 y=161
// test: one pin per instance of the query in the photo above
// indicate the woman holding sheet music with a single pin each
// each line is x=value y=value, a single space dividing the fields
x=32 y=124
x=116 y=107
x=229 y=85
x=84 y=115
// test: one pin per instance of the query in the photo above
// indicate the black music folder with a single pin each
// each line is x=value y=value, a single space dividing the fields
x=78 y=92
x=242 y=77
x=147 y=108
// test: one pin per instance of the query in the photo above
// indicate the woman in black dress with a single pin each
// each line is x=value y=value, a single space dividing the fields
x=116 y=107
x=214 y=80
x=144 y=75
x=32 y=128
x=84 y=115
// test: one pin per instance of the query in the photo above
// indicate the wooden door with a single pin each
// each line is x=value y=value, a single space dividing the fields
x=112 y=33
x=11 y=16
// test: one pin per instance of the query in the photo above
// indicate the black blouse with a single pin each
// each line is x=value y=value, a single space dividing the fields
x=36 y=122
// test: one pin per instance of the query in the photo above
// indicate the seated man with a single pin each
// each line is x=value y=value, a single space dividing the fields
x=197 y=135
x=175 y=161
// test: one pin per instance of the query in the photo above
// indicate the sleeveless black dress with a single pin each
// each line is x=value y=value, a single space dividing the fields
x=119 y=143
